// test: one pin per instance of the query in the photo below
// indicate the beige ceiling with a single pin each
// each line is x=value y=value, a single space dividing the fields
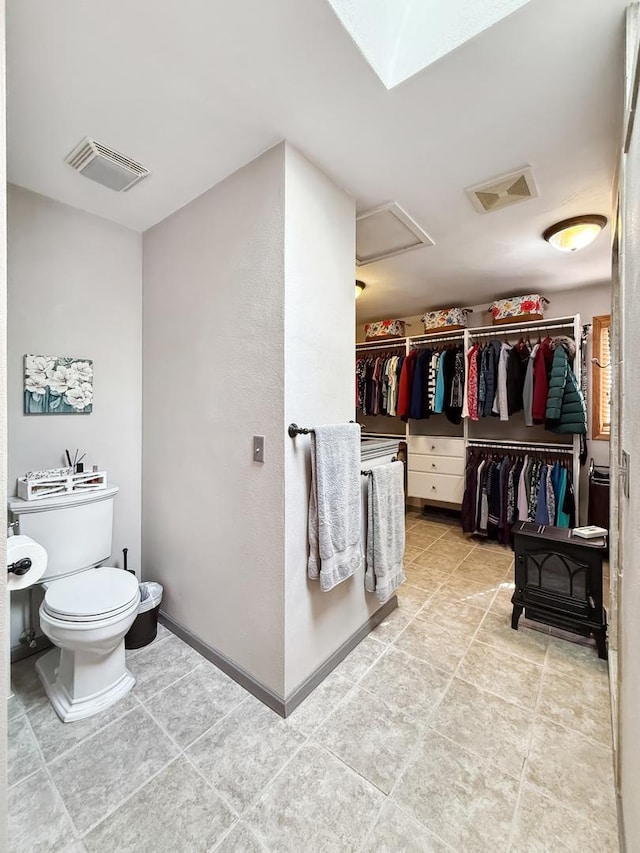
x=194 y=89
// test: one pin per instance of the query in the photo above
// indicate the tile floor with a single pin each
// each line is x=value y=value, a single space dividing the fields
x=443 y=731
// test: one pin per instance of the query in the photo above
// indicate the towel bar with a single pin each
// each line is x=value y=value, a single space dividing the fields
x=368 y=473
x=295 y=430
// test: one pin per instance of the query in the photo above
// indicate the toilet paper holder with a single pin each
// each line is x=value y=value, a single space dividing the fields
x=20 y=567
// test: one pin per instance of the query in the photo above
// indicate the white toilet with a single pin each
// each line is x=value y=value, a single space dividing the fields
x=87 y=608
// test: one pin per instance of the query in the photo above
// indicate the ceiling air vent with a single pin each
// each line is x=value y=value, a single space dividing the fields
x=503 y=192
x=386 y=231
x=105 y=166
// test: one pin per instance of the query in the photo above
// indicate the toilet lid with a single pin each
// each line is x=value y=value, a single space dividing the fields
x=96 y=593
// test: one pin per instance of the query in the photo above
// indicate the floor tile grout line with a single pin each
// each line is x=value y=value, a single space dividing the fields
x=571 y=730
x=173 y=683
x=228 y=832
x=218 y=722
x=511 y=654
x=347 y=764
x=84 y=740
x=340 y=702
x=56 y=790
x=427 y=828
x=126 y=799
x=182 y=753
x=24 y=778
x=261 y=793
x=356 y=682
x=523 y=769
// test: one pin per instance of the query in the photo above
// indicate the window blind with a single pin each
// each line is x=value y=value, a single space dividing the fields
x=605 y=379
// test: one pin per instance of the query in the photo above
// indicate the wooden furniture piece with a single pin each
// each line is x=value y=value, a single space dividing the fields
x=436 y=468
x=558 y=580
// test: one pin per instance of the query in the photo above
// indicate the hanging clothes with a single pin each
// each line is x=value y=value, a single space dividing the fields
x=467 y=511
x=516 y=374
x=501 y=490
x=541 y=515
x=565 y=412
x=453 y=377
x=500 y=405
x=541 y=371
x=523 y=493
x=406 y=379
x=527 y=393
x=419 y=384
x=472 y=383
x=433 y=373
x=438 y=404
x=465 y=385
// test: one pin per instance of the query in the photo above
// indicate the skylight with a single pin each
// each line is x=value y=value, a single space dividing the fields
x=398 y=38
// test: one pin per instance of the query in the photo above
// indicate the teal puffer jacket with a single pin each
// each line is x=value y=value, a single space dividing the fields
x=566 y=412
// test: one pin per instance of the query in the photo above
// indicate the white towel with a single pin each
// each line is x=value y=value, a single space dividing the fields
x=335 y=508
x=385 y=533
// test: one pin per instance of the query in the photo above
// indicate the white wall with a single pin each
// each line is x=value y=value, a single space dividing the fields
x=75 y=289
x=4 y=628
x=319 y=388
x=629 y=507
x=213 y=520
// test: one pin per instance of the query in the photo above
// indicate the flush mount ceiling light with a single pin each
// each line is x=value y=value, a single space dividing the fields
x=360 y=286
x=576 y=233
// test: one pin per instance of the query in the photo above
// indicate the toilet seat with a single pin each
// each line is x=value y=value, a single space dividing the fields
x=91 y=596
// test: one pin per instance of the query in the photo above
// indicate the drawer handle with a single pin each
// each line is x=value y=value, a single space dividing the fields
x=433 y=447
x=433 y=464
x=434 y=488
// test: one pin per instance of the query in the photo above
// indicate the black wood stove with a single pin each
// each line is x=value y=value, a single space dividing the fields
x=558 y=580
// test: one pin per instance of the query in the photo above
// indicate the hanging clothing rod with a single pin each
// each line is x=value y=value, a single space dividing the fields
x=520 y=445
x=399 y=342
x=440 y=336
x=435 y=340
x=512 y=332
x=295 y=430
x=527 y=324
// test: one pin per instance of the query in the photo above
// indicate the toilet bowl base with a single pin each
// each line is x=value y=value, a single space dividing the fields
x=68 y=709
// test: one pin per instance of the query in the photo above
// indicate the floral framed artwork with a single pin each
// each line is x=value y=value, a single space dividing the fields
x=55 y=385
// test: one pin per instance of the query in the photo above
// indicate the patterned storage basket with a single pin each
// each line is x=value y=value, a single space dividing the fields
x=384 y=329
x=518 y=308
x=446 y=319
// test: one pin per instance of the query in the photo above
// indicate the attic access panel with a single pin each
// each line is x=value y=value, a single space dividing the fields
x=386 y=231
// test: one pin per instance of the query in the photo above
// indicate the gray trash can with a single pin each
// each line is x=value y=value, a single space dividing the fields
x=145 y=627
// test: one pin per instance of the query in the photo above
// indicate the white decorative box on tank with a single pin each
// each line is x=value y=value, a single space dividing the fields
x=37 y=488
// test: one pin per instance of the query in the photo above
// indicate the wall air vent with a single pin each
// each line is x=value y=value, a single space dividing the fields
x=503 y=192
x=386 y=231
x=105 y=166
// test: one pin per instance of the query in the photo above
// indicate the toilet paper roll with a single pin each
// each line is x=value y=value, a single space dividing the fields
x=19 y=547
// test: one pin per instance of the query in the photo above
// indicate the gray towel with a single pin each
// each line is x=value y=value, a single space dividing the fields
x=335 y=504
x=385 y=533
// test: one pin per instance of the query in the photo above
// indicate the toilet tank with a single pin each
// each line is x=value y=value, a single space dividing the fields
x=76 y=530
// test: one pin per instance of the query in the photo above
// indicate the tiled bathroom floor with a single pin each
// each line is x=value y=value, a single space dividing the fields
x=443 y=731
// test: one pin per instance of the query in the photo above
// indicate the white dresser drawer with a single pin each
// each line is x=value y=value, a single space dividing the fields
x=436 y=487
x=436 y=445
x=436 y=464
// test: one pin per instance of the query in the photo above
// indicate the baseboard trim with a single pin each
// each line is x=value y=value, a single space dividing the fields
x=317 y=677
x=23 y=651
x=233 y=670
x=281 y=706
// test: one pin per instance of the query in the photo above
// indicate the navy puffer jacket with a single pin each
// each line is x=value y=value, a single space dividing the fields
x=566 y=412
